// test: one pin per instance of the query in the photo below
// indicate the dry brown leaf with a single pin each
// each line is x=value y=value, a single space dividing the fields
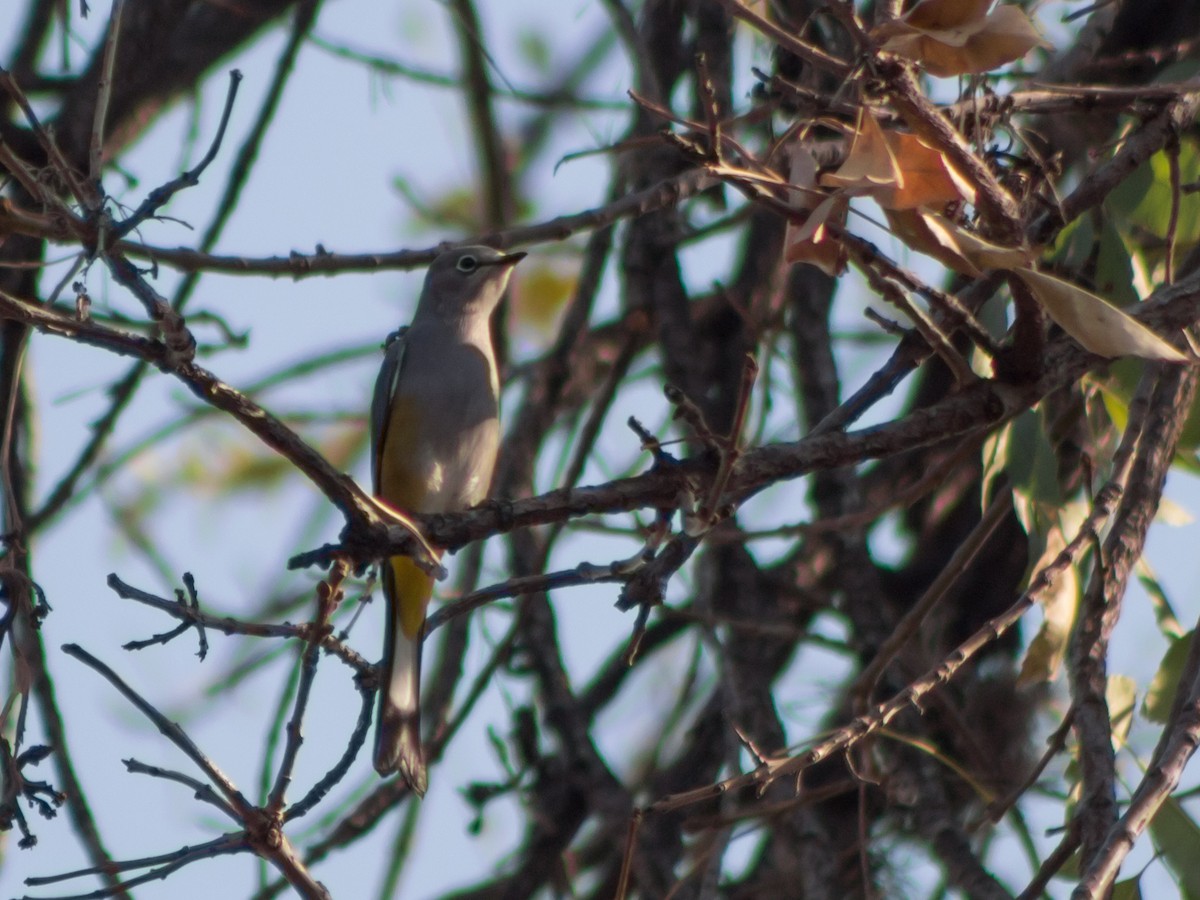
x=1094 y=322
x=802 y=177
x=1008 y=35
x=940 y=15
x=952 y=246
x=928 y=179
x=898 y=170
x=910 y=226
x=982 y=253
x=870 y=164
x=810 y=242
x=958 y=37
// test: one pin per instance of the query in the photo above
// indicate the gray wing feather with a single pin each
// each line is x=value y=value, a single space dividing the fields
x=385 y=390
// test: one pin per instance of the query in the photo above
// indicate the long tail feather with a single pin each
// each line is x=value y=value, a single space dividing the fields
x=398 y=734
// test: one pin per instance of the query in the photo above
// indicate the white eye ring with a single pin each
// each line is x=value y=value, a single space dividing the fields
x=467 y=263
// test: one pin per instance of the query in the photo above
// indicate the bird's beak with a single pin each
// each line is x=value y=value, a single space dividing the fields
x=507 y=260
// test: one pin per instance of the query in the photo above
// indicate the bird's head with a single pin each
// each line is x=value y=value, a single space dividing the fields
x=466 y=281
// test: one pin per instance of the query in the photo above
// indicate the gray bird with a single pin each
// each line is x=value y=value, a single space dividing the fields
x=435 y=430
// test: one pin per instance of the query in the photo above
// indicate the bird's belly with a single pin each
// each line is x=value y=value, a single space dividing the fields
x=445 y=459
x=460 y=478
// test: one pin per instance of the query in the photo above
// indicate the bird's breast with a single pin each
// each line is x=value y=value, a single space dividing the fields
x=443 y=430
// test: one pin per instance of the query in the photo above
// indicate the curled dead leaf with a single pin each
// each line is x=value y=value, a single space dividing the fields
x=897 y=169
x=809 y=242
x=960 y=37
x=870 y=163
x=951 y=245
x=927 y=177
x=944 y=15
x=1094 y=322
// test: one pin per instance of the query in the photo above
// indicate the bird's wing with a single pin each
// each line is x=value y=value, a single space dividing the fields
x=385 y=390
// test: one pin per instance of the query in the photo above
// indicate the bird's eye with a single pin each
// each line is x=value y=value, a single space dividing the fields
x=467 y=263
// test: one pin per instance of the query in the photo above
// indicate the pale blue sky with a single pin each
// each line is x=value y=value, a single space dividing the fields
x=326 y=176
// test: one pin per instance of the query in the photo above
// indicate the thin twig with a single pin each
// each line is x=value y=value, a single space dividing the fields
x=103 y=95
x=162 y=194
x=954 y=569
x=865 y=725
x=1172 y=153
x=167 y=862
x=170 y=730
x=329 y=595
x=1054 y=745
x=787 y=40
x=333 y=777
x=523 y=585
x=193 y=616
x=201 y=790
x=730 y=449
x=298 y=265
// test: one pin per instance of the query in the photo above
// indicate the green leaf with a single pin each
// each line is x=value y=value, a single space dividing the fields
x=1121 y=695
x=1060 y=604
x=1099 y=260
x=1190 y=438
x=1164 y=613
x=1129 y=889
x=1069 y=869
x=1119 y=384
x=1157 y=706
x=1117 y=389
x=1029 y=459
x=995 y=460
x=1176 y=836
x=1143 y=200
